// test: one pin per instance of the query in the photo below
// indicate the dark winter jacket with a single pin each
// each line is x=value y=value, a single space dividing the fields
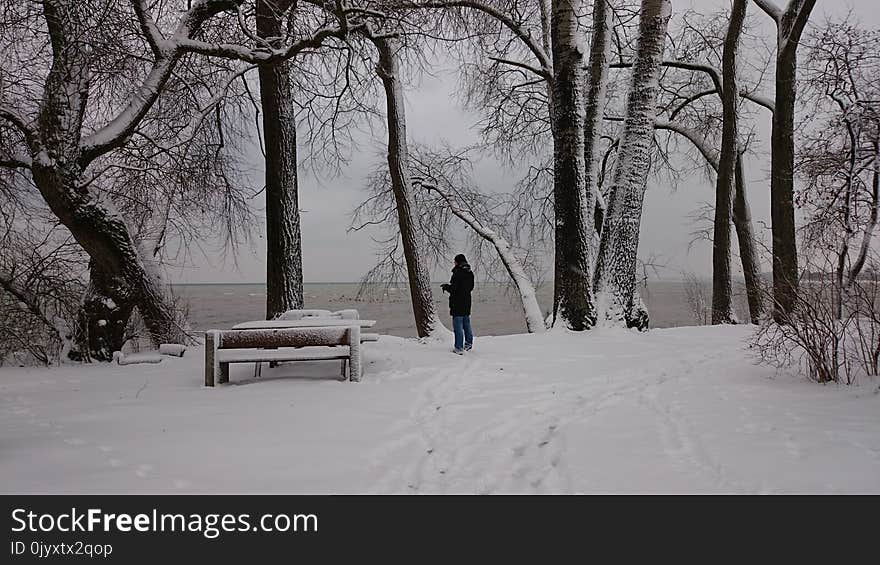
x=459 y=288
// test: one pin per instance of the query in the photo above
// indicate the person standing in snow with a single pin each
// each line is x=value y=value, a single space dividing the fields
x=459 y=288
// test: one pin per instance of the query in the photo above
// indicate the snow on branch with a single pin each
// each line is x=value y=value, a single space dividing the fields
x=759 y=100
x=713 y=73
x=770 y=8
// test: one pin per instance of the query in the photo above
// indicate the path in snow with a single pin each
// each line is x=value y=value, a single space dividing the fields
x=680 y=410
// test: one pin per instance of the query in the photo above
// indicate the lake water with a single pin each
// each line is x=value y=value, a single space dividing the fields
x=496 y=311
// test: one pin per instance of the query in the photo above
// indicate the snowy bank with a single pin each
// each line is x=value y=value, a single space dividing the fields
x=676 y=410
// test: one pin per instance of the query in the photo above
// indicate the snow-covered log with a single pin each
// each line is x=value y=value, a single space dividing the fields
x=136 y=358
x=617 y=298
x=172 y=349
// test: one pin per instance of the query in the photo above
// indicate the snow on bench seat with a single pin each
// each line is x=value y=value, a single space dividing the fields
x=223 y=347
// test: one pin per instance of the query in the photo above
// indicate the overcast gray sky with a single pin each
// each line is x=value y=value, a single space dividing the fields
x=434 y=115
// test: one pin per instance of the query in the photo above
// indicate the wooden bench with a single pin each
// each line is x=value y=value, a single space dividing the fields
x=223 y=347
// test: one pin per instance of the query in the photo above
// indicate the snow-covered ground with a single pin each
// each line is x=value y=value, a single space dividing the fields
x=679 y=410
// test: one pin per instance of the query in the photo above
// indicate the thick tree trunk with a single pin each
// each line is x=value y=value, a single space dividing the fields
x=284 y=280
x=748 y=249
x=103 y=319
x=57 y=172
x=617 y=297
x=722 y=286
x=785 y=260
x=398 y=164
x=594 y=114
x=573 y=302
x=790 y=25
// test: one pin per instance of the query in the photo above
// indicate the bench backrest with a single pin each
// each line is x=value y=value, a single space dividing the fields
x=285 y=337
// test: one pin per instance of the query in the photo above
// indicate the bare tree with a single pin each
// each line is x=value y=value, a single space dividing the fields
x=838 y=156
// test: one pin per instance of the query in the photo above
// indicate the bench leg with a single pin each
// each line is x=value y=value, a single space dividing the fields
x=342 y=372
x=210 y=351
x=258 y=368
x=224 y=373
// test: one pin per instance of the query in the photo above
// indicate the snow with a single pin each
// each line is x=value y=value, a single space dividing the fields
x=677 y=410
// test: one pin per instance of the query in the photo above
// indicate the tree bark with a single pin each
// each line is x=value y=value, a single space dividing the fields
x=617 y=297
x=103 y=319
x=398 y=165
x=284 y=280
x=748 y=249
x=594 y=115
x=790 y=24
x=574 y=228
x=722 y=286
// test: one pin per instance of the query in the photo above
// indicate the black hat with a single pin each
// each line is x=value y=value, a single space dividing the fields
x=460 y=259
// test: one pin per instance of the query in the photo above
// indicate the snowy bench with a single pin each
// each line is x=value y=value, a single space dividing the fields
x=342 y=342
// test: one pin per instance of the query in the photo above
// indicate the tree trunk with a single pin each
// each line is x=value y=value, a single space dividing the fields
x=284 y=280
x=785 y=260
x=398 y=164
x=572 y=297
x=617 y=297
x=594 y=115
x=722 y=286
x=790 y=25
x=103 y=319
x=748 y=249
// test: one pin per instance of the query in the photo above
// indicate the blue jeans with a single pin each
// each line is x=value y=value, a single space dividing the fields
x=461 y=325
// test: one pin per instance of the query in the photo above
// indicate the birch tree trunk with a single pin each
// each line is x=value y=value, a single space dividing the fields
x=284 y=280
x=722 y=287
x=573 y=302
x=594 y=115
x=57 y=170
x=398 y=158
x=616 y=294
